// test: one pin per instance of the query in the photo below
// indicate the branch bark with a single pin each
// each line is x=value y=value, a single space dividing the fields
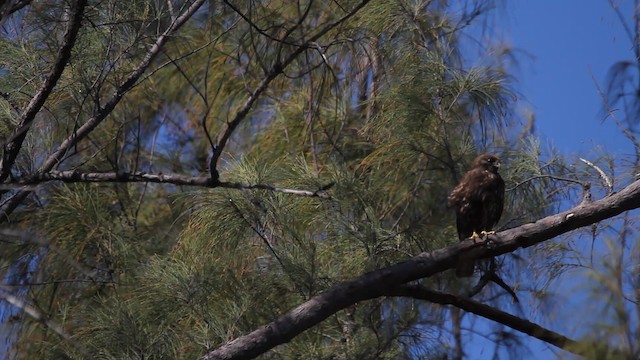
x=71 y=176
x=380 y=282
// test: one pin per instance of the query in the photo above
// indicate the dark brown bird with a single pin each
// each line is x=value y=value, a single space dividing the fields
x=478 y=201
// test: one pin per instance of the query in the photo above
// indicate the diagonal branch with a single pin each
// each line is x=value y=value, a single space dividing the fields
x=606 y=181
x=36 y=315
x=581 y=348
x=56 y=156
x=486 y=311
x=13 y=145
x=379 y=282
x=120 y=91
x=71 y=176
x=277 y=69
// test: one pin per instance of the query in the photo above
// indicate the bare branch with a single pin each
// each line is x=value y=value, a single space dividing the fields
x=72 y=176
x=121 y=90
x=9 y=7
x=321 y=192
x=13 y=145
x=586 y=186
x=380 y=282
x=255 y=26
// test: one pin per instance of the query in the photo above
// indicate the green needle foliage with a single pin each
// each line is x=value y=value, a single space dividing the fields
x=383 y=113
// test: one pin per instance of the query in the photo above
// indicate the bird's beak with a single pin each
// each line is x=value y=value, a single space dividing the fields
x=497 y=164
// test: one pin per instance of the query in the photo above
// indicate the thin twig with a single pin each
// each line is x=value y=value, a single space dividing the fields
x=627 y=133
x=584 y=184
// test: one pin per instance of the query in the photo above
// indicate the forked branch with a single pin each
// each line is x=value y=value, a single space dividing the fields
x=383 y=281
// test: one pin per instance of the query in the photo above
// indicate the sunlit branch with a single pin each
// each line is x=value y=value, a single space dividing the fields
x=606 y=181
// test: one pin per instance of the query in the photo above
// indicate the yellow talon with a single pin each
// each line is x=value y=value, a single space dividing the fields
x=473 y=236
x=485 y=233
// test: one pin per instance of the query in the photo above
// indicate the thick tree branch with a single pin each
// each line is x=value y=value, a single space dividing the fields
x=175 y=179
x=277 y=69
x=13 y=145
x=488 y=312
x=56 y=156
x=380 y=282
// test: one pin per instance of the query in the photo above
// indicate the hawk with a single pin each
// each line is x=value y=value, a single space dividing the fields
x=478 y=201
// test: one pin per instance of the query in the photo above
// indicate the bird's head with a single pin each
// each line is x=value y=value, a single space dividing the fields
x=488 y=162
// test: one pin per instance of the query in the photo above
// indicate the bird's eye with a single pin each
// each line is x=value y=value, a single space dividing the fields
x=491 y=160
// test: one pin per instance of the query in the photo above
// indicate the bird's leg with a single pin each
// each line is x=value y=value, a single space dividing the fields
x=485 y=233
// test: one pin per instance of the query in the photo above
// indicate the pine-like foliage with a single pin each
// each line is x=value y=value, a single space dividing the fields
x=384 y=109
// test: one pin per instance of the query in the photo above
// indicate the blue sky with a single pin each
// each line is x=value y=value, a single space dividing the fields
x=562 y=47
x=569 y=44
